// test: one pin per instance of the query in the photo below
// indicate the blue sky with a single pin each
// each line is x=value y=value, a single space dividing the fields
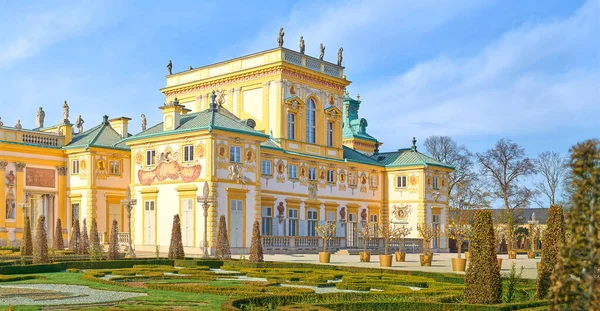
x=475 y=70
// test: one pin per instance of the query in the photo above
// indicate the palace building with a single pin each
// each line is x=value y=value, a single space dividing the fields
x=274 y=135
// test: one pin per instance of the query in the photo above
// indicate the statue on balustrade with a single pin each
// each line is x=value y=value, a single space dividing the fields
x=144 y=122
x=1 y=123
x=302 y=46
x=280 y=37
x=65 y=112
x=41 y=115
x=79 y=124
x=18 y=126
x=340 y=56
x=322 y=52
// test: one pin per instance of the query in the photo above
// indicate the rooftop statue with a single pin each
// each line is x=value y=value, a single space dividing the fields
x=340 y=57
x=280 y=37
x=322 y=52
x=18 y=126
x=302 y=46
x=40 y=118
x=191 y=68
x=65 y=112
x=143 y=122
x=170 y=67
x=1 y=123
x=79 y=124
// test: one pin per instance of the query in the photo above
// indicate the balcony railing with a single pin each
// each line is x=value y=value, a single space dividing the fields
x=312 y=63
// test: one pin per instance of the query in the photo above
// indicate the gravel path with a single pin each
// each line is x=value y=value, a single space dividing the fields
x=85 y=295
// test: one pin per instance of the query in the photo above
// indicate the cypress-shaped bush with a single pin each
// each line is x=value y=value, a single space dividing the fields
x=40 y=250
x=483 y=284
x=576 y=279
x=113 y=249
x=176 y=246
x=84 y=243
x=223 y=251
x=58 y=243
x=27 y=242
x=552 y=241
x=256 y=250
x=75 y=237
x=94 y=237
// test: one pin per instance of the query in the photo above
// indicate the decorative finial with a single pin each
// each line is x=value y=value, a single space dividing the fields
x=175 y=102
x=213 y=100
x=414 y=146
x=357 y=96
x=347 y=93
x=105 y=119
x=280 y=37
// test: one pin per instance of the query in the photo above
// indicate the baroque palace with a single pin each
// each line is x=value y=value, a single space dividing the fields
x=275 y=136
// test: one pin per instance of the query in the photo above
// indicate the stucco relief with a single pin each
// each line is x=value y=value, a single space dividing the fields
x=400 y=213
x=40 y=177
x=168 y=167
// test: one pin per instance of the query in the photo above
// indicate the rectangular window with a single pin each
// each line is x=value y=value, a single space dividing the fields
x=150 y=157
x=74 y=212
x=292 y=222
x=188 y=153
x=293 y=171
x=374 y=181
x=291 y=126
x=267 y=221
x=435 y=182
x=266 y=167
x=312 y=173
x=331 y=176
x=312 y=222
x=400 y=181
x=330 y=134
x=235 y=154
x=115 y=168
x=373 y=218
x=149 y=205
x=74 y=167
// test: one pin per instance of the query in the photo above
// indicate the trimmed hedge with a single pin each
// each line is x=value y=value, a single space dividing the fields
x=15 y=278
x=61 y=266
x=429 y=306
x=185 y=263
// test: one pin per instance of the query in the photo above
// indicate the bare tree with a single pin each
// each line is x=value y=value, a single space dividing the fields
x=553 y=168
x=446 y=150
x=504 y=166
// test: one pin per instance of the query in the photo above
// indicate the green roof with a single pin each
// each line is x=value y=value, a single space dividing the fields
x=407 y=157
x=355 y=156
x=208 y=119
x=102 y=136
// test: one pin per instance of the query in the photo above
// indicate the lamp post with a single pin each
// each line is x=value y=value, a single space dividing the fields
x=129 y=203
x=205 y=200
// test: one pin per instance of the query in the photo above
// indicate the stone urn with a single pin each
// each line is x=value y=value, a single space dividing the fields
x=365 y=257
x=385 y=260
x=459 y=264
x=400 y=256
x=324 y=257
x=512 y=255
x=426 y=259
x=531 y=255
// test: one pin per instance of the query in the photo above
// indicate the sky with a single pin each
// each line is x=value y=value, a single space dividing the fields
x=471 y=69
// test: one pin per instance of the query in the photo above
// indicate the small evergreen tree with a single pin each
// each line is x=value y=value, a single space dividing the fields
x=83 y=244
x=223 y=251
x=58 y=244
x=483 y=284
x=176 y=247
x=75 y=237
x=40 y=251
x=26 y=242
x=94 y=237
x=553 y=240
x=256 y=250
x=113 y=249
x=576 y=279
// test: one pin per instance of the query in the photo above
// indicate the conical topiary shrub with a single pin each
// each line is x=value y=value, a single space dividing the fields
x=94 y=237
x=176 y=247
x=576 y=279
x=83 y=244
x=113 y=249
x=59 y=243
x=256 y=250
x=553 y=240
x=75 y=237
x=223 y=251
x=26 y=242
x=483 y=284
x=40 y=250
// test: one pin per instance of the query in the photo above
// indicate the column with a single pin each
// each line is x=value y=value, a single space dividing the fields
x=61 y=210
x=21 y=200
x=3 y=231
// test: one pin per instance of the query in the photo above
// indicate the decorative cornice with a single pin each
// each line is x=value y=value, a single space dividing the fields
x=62 y=170
x=20 y=166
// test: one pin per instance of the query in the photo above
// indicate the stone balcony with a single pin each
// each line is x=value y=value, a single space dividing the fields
x=29 y=137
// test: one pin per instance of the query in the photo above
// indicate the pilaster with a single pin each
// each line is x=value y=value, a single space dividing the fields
x=21 y=200
x=3 y=232
x=62 y=196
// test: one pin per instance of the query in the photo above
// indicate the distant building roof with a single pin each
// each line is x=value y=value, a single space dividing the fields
x=407 y=157
x=101 y=135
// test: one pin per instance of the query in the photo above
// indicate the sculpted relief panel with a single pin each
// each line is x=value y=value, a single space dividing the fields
x=40 y=177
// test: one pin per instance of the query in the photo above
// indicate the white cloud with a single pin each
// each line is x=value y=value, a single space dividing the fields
x=533 y=78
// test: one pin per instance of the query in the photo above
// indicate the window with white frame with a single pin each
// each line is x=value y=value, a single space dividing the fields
x=266 y=167
x=292 y=222
x=312 y=173
x=311 y=116
x=312 y=218
x=74 y=167
x=330 y=132
x=373 y=181
x=115 y=168
x=293 y=171
x=291 y=126
x=373 y=222
x=267 y=221
x=435 y=182
x=330 y=176
x=235 y=154
x=401 y=181
x=188 y=153
x=150 y=157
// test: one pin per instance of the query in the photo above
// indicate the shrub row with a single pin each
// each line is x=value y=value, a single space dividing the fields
x=213 y=264
x=430 y=306
x=61 y=266
x=14 y=278
x=239 y=291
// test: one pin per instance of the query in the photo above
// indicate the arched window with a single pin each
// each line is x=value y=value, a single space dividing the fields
x=311 y=114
